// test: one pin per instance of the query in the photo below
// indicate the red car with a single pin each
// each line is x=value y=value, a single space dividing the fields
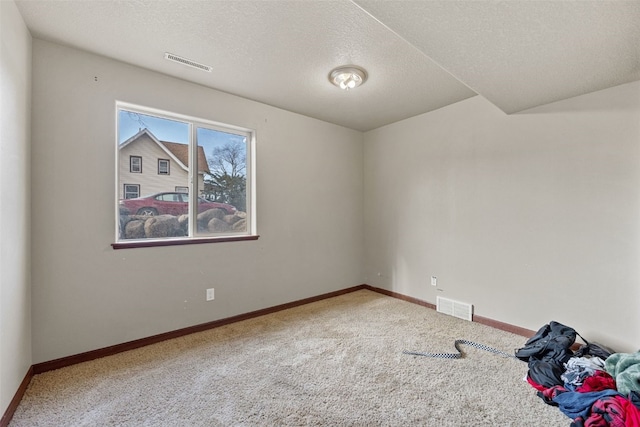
x=171 y=204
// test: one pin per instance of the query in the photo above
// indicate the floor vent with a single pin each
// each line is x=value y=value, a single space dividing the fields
x=187 y=62
x=454 y=308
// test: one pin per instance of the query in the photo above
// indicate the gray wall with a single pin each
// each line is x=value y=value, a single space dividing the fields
x=15 y=292
x=87 y=295
x=530 y=217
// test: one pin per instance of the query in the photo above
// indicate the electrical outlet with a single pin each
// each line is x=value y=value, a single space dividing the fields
x=434 y=281
x=210 y=294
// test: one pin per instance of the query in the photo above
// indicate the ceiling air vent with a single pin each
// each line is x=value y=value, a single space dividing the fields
x=187 y=62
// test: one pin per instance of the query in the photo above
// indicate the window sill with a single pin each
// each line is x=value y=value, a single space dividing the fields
x=179 y=242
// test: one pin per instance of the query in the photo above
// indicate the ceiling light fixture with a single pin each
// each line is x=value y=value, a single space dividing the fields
x=348 y=77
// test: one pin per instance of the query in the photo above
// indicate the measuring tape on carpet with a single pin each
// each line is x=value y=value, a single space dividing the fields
x=460 y=352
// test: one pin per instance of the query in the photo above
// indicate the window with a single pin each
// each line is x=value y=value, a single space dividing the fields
x=131 y=191
x=208 y=195
x=135 y=164
x=169 y=197
x=163 y=167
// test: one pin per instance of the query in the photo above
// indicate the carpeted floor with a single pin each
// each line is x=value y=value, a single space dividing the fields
x=337 y=362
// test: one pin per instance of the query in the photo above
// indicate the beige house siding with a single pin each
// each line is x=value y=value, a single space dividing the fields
x=149 y=180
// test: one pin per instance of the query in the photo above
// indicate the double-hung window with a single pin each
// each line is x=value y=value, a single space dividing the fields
x=204 y=186
x=135 y=164
x=163 y=167
x=131 y=191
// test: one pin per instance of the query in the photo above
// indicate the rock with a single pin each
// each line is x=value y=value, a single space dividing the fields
x=183 y=220
x=216 y=225
x=162 y=226
x=231 y=219
x=212 y=220
x=205 y=217
x=134 y=229
x=240 y=225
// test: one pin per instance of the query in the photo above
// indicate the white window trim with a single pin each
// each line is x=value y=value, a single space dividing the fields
x=124 y=190
x=251 y=232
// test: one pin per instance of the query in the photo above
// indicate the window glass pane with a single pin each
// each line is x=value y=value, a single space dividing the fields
x=135 y=164
x=157 y=184
x=163 y=167
x=158 y=210
x=131 y=191
x=222 y=181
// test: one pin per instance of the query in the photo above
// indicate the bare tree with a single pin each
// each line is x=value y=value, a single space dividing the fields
x=227 y=181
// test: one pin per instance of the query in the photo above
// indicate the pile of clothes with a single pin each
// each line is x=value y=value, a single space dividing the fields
x=593 y=385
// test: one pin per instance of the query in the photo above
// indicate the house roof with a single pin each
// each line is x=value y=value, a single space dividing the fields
x=181 y=151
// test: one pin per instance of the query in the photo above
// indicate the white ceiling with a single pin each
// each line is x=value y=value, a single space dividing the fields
x=420 y=55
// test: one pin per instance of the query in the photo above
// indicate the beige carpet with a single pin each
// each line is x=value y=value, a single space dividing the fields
x=337 y=362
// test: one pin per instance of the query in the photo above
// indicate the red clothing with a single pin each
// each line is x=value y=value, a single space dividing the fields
x=599 y=381
x=535 y=384
x=632 y=413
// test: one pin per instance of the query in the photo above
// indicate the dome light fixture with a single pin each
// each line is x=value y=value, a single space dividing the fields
x=348 y=77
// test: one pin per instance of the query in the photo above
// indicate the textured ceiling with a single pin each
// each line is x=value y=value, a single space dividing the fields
x=521 y=54
x=420 y=55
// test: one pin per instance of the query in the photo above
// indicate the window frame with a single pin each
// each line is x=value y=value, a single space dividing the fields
x=168 y=167
x=124 y=190
x=131 y=159
x=193 y=191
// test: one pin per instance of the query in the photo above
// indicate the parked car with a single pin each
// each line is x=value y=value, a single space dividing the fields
x=171 y=204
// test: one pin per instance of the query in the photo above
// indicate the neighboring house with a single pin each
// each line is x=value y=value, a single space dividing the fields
x=148 y=165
